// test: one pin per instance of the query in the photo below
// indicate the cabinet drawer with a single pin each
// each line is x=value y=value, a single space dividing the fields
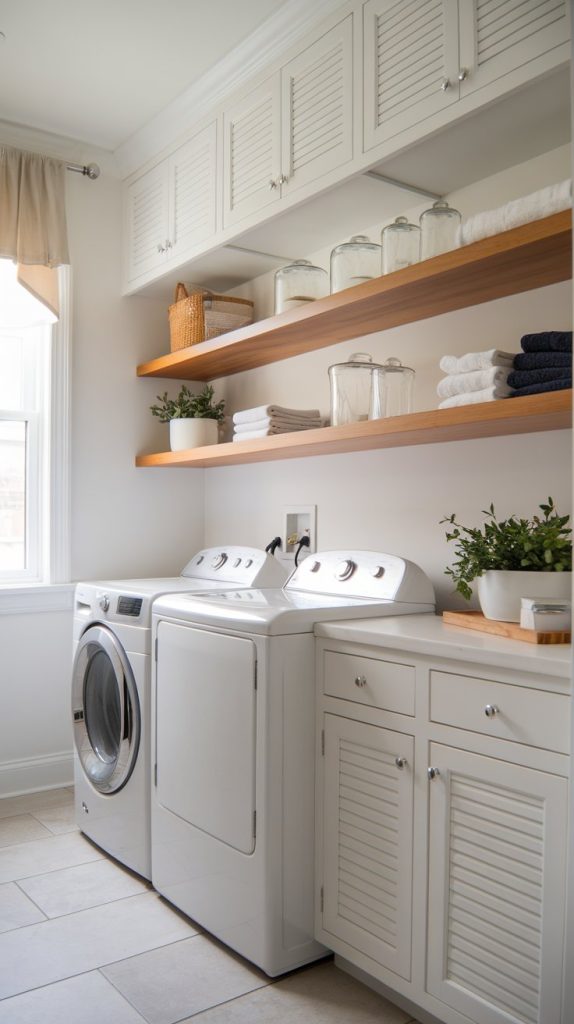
x=502 y=710
x=379 y=684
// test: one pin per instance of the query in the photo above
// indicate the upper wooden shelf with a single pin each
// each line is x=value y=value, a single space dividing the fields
x=530 y=256
x=550 y=411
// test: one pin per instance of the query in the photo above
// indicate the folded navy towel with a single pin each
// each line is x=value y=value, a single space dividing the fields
x=524 y=378
x=541 y=360
x=547 y=341
x=539 y=389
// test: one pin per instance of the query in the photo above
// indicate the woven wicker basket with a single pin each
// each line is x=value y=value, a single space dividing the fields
x=202 y=315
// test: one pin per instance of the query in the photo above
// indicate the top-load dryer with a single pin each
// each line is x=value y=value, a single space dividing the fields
x=233 y=745
x=111 y=680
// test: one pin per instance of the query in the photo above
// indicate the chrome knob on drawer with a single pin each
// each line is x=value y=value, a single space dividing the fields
x=360 y=680
x=432 y=773
x=491 y=710
x=401 y=762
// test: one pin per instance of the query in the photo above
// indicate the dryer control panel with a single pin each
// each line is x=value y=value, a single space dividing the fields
x=367 y=574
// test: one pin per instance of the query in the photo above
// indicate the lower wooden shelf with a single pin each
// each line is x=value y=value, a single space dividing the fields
x=551 y=411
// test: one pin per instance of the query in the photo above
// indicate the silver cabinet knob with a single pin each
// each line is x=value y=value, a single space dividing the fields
x=360 y=680
x=463 y=74
x=104 y=602
x=432 y=773
x=445 y=84
x=272 y=184
x=283 y=179
x=401 y=762
x=491 y=710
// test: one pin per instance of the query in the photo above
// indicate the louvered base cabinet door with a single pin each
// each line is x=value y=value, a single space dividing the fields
x=411 y=64
x=193 y=192
x=498 y=36
x=252 y=152
x=367 y=858
x=496 y=888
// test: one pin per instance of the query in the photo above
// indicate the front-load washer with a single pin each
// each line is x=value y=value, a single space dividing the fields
x=111 y=681
x=233 y=744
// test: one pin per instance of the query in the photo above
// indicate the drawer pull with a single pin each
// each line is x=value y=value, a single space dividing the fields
x=432 y=773
x=360 y=680
x=401 y=762
x=491 y=710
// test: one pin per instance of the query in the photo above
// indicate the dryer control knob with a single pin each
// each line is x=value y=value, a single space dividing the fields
x=248 y=563
x=218 y=561
x=315 y=567
x=378 y=571
x=345 y=569
x=104 y=602
x=236 y=563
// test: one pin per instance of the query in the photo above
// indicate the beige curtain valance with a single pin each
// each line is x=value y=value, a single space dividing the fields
x=33 y=230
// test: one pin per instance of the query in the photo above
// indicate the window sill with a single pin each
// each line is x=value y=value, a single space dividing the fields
x=26 y=598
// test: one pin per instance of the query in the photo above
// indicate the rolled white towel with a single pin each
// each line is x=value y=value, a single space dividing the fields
x=477 y=361
x=251 y=435
x=280 y=422
x=476 y=380
x=541 y=203
x=472 y=397
x=262 y=411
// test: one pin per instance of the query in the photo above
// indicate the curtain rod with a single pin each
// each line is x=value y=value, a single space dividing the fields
x=91 y=171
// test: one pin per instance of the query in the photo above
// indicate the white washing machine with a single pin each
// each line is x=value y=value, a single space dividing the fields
x=111 y=684
x=233 y=745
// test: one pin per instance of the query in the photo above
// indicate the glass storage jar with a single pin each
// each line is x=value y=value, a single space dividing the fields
x=354 y=262
x=392 y=392
x=351 y=389
x=439 y=229
x=299 y=282
x=401 y=245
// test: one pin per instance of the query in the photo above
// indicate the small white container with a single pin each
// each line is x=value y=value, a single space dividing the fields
x=546 y=614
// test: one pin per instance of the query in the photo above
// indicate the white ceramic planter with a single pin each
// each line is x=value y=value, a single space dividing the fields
x=500 y=591
x=192 y=433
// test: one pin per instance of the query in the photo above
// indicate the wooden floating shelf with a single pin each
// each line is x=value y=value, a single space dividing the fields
x=550 y=411
x=530 y=256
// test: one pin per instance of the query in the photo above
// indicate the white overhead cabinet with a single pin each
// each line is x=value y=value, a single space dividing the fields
x=294 y=128
x=171 y=209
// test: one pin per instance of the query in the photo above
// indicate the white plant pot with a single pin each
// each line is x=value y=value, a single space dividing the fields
x=192 y=433
x=500 y=590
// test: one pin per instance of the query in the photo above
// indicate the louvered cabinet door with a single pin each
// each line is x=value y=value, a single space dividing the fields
x=252 y=152
x=317 y=108
x=496 y=888
x=410 y=64
x=193 y=190
x=498 y=36
x=367 y=841
x=146 y=214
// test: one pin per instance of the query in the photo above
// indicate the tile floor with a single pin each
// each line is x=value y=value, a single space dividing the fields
x=84 y=940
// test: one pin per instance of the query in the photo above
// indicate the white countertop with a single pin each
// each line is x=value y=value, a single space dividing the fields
x=428 y=634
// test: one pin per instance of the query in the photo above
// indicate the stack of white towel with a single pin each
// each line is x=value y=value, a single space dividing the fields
x=474 y=377
x=538 y=204
x=272 y=419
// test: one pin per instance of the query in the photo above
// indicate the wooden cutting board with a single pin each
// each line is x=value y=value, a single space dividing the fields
x=511 y=630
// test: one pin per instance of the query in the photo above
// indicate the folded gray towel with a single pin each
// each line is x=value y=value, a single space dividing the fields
x=547 y=341
x=540 y=389
x=541 y=360
x=524 y=378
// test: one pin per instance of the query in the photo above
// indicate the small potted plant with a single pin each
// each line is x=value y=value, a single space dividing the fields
x=193 y=419
x=511 y=559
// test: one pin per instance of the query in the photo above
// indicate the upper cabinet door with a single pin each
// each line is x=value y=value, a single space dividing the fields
x=411 y=63
x=316 y=108
x=146 y=215
x=251 y=153
x=193 y=191
x=498 y=36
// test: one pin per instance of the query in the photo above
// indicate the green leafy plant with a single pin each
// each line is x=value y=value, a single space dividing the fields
x=540 y=544
x=188 y=406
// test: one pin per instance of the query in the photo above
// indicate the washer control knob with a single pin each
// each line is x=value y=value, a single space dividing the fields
x=378 y=571
x=248 y=563
x=218 y=561
x=104 y=602
x=345 y=569
x=236 y=563
x=199 y=560
x=315 y=567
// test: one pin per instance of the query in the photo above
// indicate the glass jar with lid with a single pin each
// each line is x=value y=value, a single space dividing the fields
x=439 y=229
x=299 y=282
x=351 y=389
x=354 y=262
x=401 y=245
x=392 y=392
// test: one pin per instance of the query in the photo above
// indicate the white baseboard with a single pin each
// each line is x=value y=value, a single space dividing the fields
x=34 y=773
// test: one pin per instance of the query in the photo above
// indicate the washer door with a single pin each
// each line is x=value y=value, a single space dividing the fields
x=105 y=710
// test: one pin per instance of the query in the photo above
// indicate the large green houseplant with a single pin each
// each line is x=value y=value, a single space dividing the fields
x=193 y=418
x=512 y=558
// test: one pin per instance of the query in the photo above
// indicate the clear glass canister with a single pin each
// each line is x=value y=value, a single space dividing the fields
x=392 y=392
x=299 y=282
x=401 y=245
x=439 y=229
x=353 y=262
x=351 y=389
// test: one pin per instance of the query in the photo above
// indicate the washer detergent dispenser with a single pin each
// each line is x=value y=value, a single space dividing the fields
x=234 y=744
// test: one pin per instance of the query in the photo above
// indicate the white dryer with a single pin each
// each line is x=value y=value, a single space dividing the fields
x=111 y=685
x=233 y=745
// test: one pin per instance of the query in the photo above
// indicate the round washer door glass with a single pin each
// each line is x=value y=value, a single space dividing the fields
x=105 y=710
